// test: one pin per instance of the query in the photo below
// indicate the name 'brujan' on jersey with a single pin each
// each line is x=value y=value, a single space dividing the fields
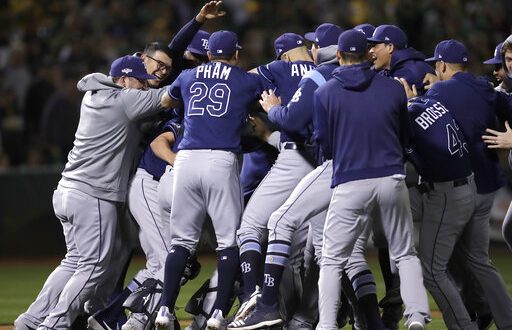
x=430 y=115
x=215 y=71
x=300 y=69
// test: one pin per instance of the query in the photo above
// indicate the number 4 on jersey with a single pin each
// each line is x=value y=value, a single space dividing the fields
x=455 y=145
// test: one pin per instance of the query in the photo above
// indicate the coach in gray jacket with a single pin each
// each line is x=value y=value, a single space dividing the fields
x=93 y=188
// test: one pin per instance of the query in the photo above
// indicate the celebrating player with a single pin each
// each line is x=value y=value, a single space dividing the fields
x=93 y=187
x=216 y=96
x=368 y=173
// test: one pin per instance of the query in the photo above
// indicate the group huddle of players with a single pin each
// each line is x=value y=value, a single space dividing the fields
x=356 y=133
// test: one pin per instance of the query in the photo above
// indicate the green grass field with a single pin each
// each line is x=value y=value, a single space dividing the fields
x=21 y=280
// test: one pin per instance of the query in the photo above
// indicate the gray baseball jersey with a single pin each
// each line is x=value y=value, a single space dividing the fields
x=87 y=200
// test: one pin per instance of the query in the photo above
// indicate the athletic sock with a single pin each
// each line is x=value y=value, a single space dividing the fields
x=174 y=268
x=366 y=293
x=227 y=266
x=278 y=253
x=250 y=259
x=111 y=313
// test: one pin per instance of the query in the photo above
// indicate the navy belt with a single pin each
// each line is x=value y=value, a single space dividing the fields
x=429 y=186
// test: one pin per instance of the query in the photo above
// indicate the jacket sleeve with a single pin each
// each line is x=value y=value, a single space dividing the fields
x=504 y=107
x=182 y=39
x=138 y=104
x=321 y=127
x=297 y=114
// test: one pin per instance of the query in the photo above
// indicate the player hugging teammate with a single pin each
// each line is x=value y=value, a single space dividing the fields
x=323 y=169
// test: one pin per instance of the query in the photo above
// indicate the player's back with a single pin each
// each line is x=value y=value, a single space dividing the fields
x=439 y=149
x=472 y=103
x=366 y=116
x=216 y=99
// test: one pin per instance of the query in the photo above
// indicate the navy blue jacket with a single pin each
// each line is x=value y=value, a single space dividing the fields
x=409 y=63
x=474 y=105
x=438 y=148
x=361 y=119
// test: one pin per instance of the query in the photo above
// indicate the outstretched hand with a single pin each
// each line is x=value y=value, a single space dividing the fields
x=209 y=11
x=499 y=140
x=269 y=99
x=410 y=92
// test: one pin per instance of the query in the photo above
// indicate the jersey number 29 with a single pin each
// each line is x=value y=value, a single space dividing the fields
x=215 y=99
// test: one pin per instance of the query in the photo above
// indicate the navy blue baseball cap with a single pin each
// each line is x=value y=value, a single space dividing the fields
x=366 y=28
x=325 y=35
x=286 y=42
x=450 y=51
x=390 y=34
x=497 y=55
x=223 y=43
x=353 y=41
x=130 y=66
x=199 y=44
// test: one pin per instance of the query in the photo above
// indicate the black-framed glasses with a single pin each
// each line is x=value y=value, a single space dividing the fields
x=161 y=65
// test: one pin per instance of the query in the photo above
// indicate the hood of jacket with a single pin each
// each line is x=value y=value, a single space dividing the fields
x=401 y=55
x=327 y=55
x=95 y=82
x=354 y=77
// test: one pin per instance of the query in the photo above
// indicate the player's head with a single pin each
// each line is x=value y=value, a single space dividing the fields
x=157 y=59
x=352 y=47
x=325 y=35
x=385 y=39
x=497 y=63
x=450 y=56
x=290 y=47
x=506 y=55
x=197 y=51
x=366 y=28
x=129 y=71
x=223 y=46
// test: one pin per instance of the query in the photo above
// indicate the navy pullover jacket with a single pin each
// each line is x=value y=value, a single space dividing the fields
x=409 y=63
x=361 y=119
x=474 y=104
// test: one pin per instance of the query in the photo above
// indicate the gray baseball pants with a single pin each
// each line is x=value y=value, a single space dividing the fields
x=447 y=211
x=472 y=253
x=89 y=226
x=349 y=213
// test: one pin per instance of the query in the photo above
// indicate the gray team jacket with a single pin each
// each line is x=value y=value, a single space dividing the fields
x=107 y=136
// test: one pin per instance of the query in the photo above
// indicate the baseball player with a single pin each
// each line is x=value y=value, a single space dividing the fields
x=284 y=74
x=499 y=69
x=391 y=54
x=93 y=187
x=392 y=57
x=216 y=96
x=368 y=173
x=495 y=139
x=162 y=61
x=439 y=152
x=309 y=199
x=474 y=105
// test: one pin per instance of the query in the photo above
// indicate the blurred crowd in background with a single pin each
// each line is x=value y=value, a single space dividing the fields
x=46 y=46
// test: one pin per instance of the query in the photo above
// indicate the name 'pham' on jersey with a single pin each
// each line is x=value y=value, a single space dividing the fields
x=300 y=69
x=430 y=115
x=213 y=71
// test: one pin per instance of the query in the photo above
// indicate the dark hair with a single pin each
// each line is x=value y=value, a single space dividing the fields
x=155 y=46
x=353 y=57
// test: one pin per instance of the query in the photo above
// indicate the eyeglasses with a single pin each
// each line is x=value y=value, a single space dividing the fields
x=161 y=65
